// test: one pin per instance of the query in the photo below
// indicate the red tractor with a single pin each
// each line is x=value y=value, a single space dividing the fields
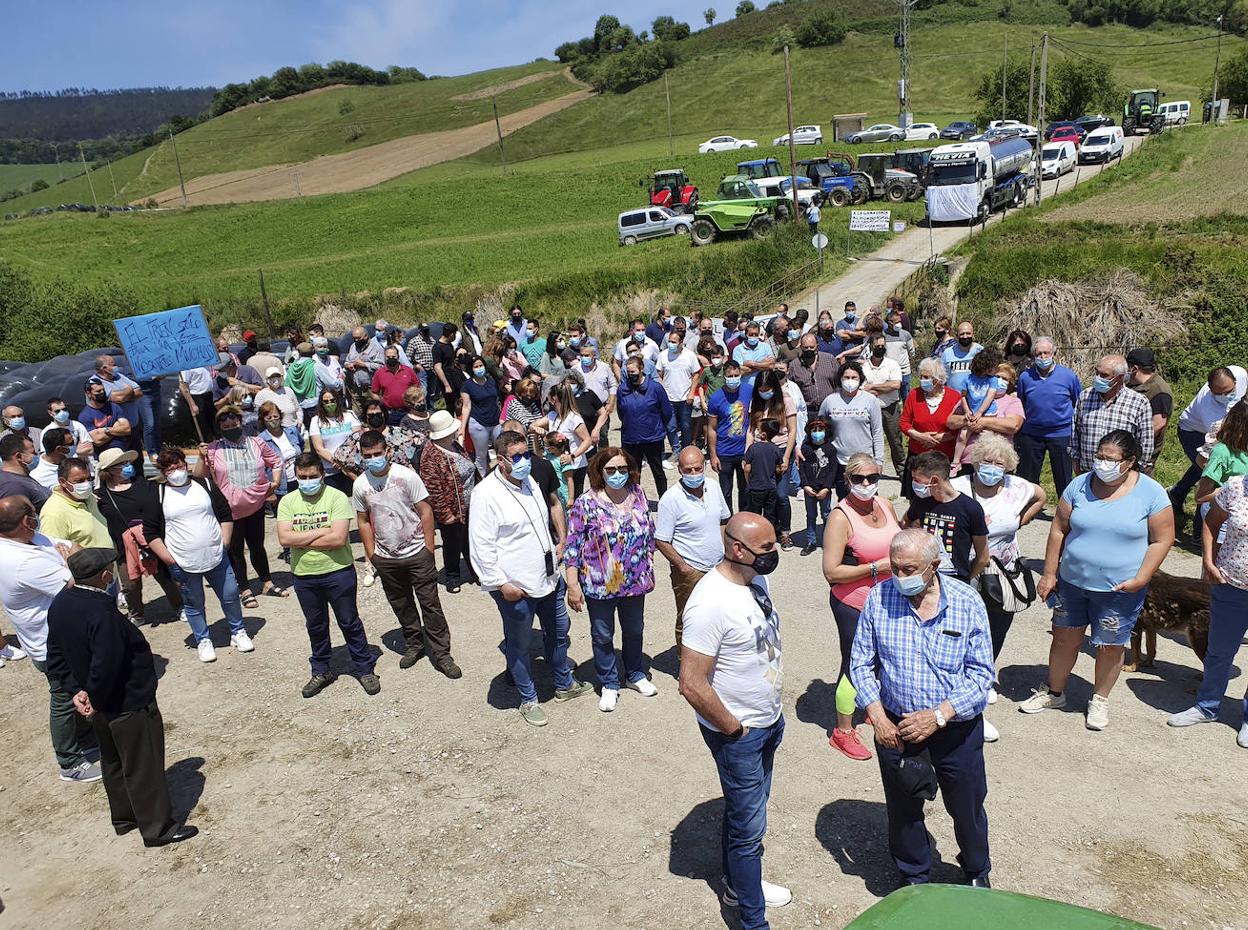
x=672 y=189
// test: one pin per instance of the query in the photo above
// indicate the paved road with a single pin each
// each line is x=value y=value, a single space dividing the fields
x=872 y=278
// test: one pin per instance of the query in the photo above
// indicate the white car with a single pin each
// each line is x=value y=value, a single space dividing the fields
x=802 y=135
x=726 y=144
x=919 y=131
x=1101 y=144
x=1027 y=132
x=783 y=187
x=1056 y=159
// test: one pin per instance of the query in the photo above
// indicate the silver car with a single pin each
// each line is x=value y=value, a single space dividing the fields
x=880 y=132
x=651 y=223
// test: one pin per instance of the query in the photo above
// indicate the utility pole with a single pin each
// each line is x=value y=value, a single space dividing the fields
x=1005 y=59
x=498 y=127
x=87 y=171
x=671 y=149
x=1031 y=85
x=1217 y=60
x=788 y=99
x=264 y=296
x=902 y=43
x=116 y=196
x=178 y=161
x=1044 y=88
x=56 y=153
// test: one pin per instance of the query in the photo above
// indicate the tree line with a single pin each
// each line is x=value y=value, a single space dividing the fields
x=72 y=114
x=288 y=81
x=1074 y=88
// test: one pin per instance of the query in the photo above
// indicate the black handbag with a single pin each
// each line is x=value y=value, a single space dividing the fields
x=1007 y=590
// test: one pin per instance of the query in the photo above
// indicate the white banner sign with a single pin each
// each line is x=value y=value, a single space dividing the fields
x=870 y=220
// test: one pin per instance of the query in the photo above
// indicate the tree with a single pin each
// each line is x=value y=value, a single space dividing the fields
x=667 y=29
x=1233 y=78
x=745 y=6
x=820 y=29
x=631 y=68
x=709 y=15
x=782 y=39
x=1082 y=86
x=606 y=25
x=988 y=93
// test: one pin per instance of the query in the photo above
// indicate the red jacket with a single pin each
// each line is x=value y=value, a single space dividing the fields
x=916 y=415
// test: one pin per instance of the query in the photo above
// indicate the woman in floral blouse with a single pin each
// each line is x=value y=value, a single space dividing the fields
x=609 y=565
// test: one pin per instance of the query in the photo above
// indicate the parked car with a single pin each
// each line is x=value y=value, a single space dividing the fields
x=880 y=132
x=1102 y=145
x=1090 y=123
x=1024 y=130
x=783 y=187
x=922 y=131
x=1057 y=158
x=1063 y=127
x=726 y=144
x=959 y=130
x=1070 y=134
x=1176 y=112
x=996 y=135
x=802 y=135
x=652 y=223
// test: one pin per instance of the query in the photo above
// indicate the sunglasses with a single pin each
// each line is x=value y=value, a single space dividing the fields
x=615 y=470
x=864 y=479
x=521 y=457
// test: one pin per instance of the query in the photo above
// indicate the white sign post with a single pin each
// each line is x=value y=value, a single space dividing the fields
x=820 y=242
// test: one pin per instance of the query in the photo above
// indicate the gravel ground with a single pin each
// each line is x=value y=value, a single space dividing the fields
x=432 y=805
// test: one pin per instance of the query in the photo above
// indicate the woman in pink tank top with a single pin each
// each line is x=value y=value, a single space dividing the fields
x=861 y=525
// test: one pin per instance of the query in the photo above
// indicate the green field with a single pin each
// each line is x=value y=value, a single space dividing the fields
x=16 y=177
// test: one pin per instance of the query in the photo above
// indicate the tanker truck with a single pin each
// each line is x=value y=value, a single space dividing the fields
x=970 y=180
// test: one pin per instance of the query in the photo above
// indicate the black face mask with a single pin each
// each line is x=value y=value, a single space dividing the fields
x=877 y=352
x=965 y=341
x=361 y=344
x=517 y=316
x=392 y=363
x=942 y=333
x=233 y=434
x=764 y=562
x=809 y=355
x=376 y=420
x=1019 y=349
x=98 y=398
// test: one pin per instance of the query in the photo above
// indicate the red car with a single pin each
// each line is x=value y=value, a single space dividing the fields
x=1067 y=134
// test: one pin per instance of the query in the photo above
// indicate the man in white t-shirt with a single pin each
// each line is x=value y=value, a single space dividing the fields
x=195 y=385
x=679 y=372
x=1224 y=387
x=636 y=333
x=396 y=530
x=732 y=676
x=881 y=376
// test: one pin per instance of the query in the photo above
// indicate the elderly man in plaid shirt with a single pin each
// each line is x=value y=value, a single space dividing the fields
x=922 y=665
x=1106 y=406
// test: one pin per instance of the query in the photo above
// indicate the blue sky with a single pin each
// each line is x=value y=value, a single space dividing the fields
x=136 y=43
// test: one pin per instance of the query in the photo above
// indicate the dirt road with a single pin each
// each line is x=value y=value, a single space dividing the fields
x=351 y=171
x=433 y=806
x=874 y=277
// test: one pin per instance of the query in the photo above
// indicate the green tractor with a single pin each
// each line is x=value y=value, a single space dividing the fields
x=1143 y=111
x=730 y=218
x=739 y=189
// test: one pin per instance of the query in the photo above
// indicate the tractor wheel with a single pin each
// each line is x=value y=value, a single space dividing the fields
x=1158 y=126
x=839 y=197
x=861 y=195
x=761 y=227
x=703 y=232
x=783 y=212
x=630 y=240
x=1128 y=126
x=895 y=193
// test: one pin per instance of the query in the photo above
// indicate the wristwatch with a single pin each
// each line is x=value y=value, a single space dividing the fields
x=940 y=719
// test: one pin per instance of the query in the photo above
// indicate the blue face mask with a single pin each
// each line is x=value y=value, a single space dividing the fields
x=310 y=487
x=1101 y=385
x=818 y=436
x=751 y=341
x=17 y=423
x=673 y=349
x=639 y=337
x=990 y=475
x=850 y=315
x=732 y=382
x=61 y=416
x=574 y=341
x=921 y=490
x=377 y=464
x=478 y=372
x=521 y=469
x=693 y=481
x=926 y=384
x=617 y=480
x=766 y=395
x=1044 y=364
x=909 y=585
x=127 y=471
x=587 y=363
x=794 y=335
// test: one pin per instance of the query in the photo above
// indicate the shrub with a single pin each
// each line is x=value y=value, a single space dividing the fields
x=745 y=6
x=39 y=184
x=345 y=107
x=667 y=29
x=631 y=68
x=84 y=315
x=820 y=29
x=782 y=38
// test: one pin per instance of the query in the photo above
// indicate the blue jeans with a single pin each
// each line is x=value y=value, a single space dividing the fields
x=1112 y=614
x=1228 y=621
x=517 y=634
x=824 y=507
x=680 y=426
x=317 y=594
x=1031 y=450
x=745 y=775
x=786 y=484
x=223 y=583
x=149 y=417
x=602 y=613
x=1191 y=440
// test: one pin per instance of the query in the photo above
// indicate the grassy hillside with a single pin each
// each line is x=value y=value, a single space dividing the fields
x=322 y=122
x=14 y=177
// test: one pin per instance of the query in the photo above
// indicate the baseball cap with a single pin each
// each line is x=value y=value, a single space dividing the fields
x=248 y=334
x=1142 y=358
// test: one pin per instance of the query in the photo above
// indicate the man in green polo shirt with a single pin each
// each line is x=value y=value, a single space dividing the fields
x=314 y=522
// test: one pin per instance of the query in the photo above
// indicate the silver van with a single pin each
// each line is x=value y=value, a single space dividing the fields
x=651 y=223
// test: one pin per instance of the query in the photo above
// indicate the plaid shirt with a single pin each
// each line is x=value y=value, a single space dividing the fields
x=1129 y=410
x=910 y=664
x=420 y=352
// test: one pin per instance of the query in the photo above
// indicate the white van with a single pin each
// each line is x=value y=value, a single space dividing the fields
x=1176 y=112
x=1101 y=145
x=1056 y=159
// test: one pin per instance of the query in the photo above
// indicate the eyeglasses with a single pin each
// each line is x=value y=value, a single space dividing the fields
x=864 y=479
x=521 y=457
x=615 y=470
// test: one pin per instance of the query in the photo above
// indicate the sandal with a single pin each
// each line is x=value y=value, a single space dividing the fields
x=249 y=601
x=276 y=591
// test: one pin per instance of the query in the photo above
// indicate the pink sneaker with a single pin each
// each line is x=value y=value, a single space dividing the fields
x=847 y=742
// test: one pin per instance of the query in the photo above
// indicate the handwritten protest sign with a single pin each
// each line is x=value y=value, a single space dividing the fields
x=166 y=342
x=869 y=220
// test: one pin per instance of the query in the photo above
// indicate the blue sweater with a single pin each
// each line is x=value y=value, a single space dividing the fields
x=643 y=413
x=1048 y=402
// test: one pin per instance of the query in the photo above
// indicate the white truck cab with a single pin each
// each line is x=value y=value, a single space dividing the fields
x=969 y=180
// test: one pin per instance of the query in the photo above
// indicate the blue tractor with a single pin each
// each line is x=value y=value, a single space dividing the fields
x=840 y=184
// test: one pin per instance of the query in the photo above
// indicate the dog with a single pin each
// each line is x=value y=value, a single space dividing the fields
x=1172 y=603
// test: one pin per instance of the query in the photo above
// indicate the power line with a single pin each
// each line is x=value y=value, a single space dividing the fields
x=1129 y=45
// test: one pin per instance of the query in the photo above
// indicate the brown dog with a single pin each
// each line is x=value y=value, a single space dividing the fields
x=1173 y=603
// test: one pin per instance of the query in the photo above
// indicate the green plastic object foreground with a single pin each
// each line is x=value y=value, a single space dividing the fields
x=959 y=907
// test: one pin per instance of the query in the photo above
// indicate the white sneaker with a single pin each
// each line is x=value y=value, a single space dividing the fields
x=1098 y=713
x=1190 y=717
x=368 y=576
x=992 y=695
x=1040 y=700
x=182 y=616
x=644 y=686
x=773 y=895
x=990 y=733
x=206 y=652
x=607 y=702
x=11 y=654
x=242 y=642
x=1242 y=740
x=669 y=464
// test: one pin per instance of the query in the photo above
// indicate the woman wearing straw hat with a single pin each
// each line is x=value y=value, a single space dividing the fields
x=449 y=476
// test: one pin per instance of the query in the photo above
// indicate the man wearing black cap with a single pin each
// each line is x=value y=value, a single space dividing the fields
x=1143 y=378
x=102 y=659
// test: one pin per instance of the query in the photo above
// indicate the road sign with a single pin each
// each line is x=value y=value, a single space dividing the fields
x=819 y=241
x=870 y=220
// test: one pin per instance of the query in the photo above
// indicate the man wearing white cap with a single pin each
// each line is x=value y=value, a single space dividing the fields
x=276 y=392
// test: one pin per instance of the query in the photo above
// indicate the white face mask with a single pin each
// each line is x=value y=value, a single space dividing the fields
x=849 y=385
x=864 y=492
x=81 y=490
x=177 y=478
x=1108 y=471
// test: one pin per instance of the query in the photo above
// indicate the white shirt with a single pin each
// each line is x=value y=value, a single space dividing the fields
x=333 y=434
x=198 y=380
x=691 y=525
x=601 y=380
x=888 y=370
x=509 y=535
x=289 y=453
x=677 y=373
x=1204 y=410
x=567 y=428
x=192 y=533
x=285 y=401
x=30 y=577
x=1002 y=511
x=794 y=393
x=45 y=473
x=723 y=620
x=649 y=350
x=390 y=501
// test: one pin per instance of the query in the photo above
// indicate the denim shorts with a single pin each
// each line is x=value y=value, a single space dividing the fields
x=1112 y=614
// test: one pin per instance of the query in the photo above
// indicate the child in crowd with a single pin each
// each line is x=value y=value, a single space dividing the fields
x=762 y=467
x=983 y=387
x=556 y=448
x=818 y=474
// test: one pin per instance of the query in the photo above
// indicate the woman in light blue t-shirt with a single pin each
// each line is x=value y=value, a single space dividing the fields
x=1113 y=528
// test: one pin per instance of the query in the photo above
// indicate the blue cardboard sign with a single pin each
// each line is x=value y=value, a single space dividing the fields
x=166 y=342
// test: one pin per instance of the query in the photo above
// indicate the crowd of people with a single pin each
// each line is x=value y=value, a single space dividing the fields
x=502 y=442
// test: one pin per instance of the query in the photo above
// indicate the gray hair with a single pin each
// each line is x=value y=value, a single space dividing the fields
x=860 y=460
x=993 y=445
x=916 y=541
x=1119 y=363
x=1043 y=340
x=934 y=368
